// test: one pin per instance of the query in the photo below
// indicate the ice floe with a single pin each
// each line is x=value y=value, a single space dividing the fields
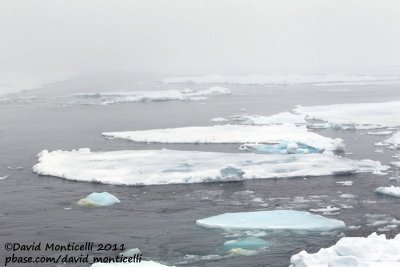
x=4 y=177
x=281 y=148
x=133 y=264
x=219 y=119
x=98 y=200
x=393 y=140
x=393 y=191
x=345 y=183
x=329 y=210
x=361 y=115
x=372 y=251
x=279 y=118
x=136 y=167
x=247 y=243
x=145 y=96
x=273 y=79
x=272 y=220
x=380 y=133
x=274 y=134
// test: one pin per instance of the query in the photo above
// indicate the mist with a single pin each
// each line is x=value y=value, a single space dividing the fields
x=54 y=38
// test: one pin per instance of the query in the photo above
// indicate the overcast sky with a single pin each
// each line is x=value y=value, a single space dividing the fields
x=214 y=36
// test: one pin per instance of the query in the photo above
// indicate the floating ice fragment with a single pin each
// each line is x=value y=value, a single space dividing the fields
x=247 y=243
x=279 y=118
x=393 y=140
x=393 y=191
x=345 y=183
x=15 y=167
x=4 y=177
x=98 y=200
x=272 y=220
x=372 y=251
x=138 y=167
x=281 y=148
x=233 y=134
x=219 y=119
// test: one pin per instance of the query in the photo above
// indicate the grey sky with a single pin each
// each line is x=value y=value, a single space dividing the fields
x=75 y=36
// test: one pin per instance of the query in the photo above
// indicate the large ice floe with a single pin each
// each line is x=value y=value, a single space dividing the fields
x=232 y=134
x=393 y=191
x=274 y=79
x=136 y=167
x=357 y=115
x=272 y=220
x=134 y=264
x=372 y=251
x=145 y=96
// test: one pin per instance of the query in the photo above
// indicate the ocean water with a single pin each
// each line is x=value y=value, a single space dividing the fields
x=160 y=220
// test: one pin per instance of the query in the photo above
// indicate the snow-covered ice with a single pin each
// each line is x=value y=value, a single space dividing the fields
x=281 y=148
x=219 y=119
x=393 y=140
x=393 y=191
x=98 y=200
x=272 y=220
x=233 y=134
x=136 y=167
x=361 y=115
x=247 y=243
x=273 y=79
x=372 y=251
x=166 y=95
x=279 y=118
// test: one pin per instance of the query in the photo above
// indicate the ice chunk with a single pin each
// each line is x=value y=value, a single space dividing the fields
x=394 y=139
x=4 y=177
x=279 y=118
x=136 y=167
x=372 y=115
x=131 y=252
x=247 y=243
x=133 y=264
x=146 y=96
x=345 y=183
x=219 y=119
x=98 y=200
x=272 y=220
x=393 y=191
x=232 y=134
x=372 y=251
x=282 y=78
x=281 y=148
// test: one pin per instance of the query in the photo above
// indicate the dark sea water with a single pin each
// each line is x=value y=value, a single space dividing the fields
x=160 y=220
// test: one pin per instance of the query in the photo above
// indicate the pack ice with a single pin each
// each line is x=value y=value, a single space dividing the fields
x=149 y=167
x=232 y=134
x=359 y=115
x=372 y=251
x=272 y=220
x=166 y=95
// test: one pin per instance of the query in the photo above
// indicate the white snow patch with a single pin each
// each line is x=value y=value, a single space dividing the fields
x=135 y=167
x=393 y=191
x=361 y=115
x=219 y=119
x=232 y=134
x=272 y=220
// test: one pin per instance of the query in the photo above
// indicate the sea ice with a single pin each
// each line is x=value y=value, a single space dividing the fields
x=281 y=148
x=273 y=134
x=393 y=191
x=279 y=118
x=219 y=119
x=138 y=167
x=361 y=115
x=98 y=200
x=393 y=140
x=345 y=183
x=372 y=251
x=145 y=96
x=247 y=243
x=272 y=220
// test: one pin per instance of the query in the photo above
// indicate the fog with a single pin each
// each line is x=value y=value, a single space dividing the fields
x=52 y=38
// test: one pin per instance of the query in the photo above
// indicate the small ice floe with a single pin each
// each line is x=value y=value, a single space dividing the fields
x=98 y=200
x=347 y=196
x=361 y=115
x=374 y=250
x=393 y=140
x=388 y=228
x=272 y=220
x=15 y=167
x=4 y=177
x=381 y=133
x=131 y=252
x=247 y=243
x=147 y=167
x=108 y=98
x=133 y=264
x=393 y=191
x=219 y=119
x=279 y=118
x=329 y=210
x=280 y=148
x=395 y=163
x=345 y=183
x=233 y=134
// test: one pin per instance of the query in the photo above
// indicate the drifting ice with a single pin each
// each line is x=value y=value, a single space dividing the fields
x=279 y=118
x=272 y=220
x=247 y=243
x=281 y=148
x=98 y=200
x=137 y=167
x=232 y=134
x=372 y=251
x=393 y=191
